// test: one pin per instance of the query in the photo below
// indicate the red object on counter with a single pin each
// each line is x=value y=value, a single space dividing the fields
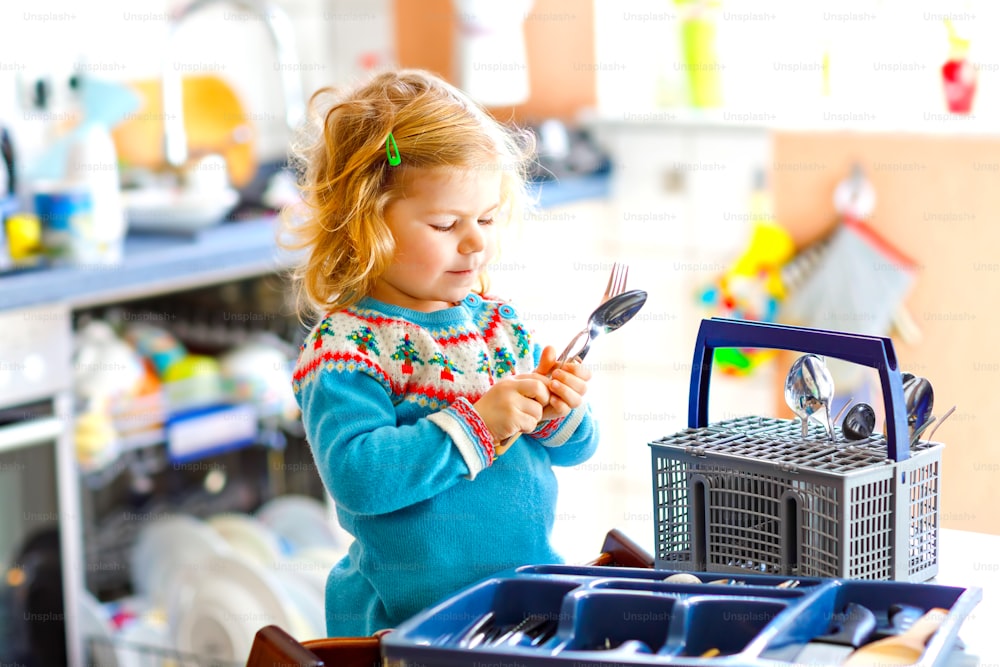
x=959 y=77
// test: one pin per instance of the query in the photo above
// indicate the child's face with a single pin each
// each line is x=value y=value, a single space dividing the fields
x=445 y=235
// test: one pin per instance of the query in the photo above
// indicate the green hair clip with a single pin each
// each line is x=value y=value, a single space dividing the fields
x=393 y=159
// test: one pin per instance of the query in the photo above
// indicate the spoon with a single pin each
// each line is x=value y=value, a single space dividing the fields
x=609 y=316
x=809 y=390
x=859 y=422
x=919 y=398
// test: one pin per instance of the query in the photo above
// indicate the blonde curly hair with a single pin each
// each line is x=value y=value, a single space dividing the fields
x=347 y=182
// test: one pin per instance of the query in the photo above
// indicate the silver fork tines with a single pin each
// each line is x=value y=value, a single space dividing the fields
x=616 y=281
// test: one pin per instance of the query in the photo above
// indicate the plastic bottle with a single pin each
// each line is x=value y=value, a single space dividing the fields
x=93 y=165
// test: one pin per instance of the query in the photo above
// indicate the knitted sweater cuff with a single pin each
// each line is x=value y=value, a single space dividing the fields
x=469 y=433
x=556 y=432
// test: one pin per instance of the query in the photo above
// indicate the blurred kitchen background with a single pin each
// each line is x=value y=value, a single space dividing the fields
x=828 y=164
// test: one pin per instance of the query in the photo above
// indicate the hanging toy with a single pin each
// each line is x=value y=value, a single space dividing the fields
x=751 y=288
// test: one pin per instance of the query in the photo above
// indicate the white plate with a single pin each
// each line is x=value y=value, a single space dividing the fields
x=95 y=623
x=167 y=547
x=303 y=522
x=233 y=600
x=159 y=209
x=248 y=537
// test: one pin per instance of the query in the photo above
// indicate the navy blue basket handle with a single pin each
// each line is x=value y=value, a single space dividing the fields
x=872 y=351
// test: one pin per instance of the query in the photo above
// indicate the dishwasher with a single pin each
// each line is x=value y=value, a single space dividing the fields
x=40 y=528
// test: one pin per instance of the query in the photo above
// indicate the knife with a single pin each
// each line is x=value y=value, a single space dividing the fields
x=848 y=630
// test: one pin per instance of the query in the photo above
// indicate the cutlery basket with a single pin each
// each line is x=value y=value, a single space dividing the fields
x=753 y=494
x=603 y=616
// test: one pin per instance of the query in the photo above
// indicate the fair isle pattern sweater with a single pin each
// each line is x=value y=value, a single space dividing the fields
x=386 y=396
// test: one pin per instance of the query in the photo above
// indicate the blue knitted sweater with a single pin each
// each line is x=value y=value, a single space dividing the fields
x=386 y=396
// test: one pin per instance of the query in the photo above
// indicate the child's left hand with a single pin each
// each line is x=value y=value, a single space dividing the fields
x=566 y=387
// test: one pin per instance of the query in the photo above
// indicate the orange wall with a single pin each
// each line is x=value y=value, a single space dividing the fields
x=558 y=33
x=938 y=202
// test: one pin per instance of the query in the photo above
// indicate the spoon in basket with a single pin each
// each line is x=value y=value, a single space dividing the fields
x=919 y=398
x=809 y=390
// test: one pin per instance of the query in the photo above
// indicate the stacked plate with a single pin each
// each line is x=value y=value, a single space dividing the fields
x=220 y=580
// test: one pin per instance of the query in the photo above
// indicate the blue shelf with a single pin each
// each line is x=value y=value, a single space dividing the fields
x=154 y=264
x=567 y=191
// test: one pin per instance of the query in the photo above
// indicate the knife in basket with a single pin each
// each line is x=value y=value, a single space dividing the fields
x=847 y=631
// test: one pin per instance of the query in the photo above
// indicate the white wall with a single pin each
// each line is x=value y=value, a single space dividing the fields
x=884 y=56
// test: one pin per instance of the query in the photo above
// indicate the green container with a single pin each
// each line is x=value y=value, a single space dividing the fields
x=700 y=60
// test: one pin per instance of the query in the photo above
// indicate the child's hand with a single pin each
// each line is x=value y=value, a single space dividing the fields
x=513 y=405
x=566 y=387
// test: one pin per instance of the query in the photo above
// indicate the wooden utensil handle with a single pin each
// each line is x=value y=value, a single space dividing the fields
x=902 y=649
x=619 y=550
x=505 y=445
x=560 y=361
x=926 y=625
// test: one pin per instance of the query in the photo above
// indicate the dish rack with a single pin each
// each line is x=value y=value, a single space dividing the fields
x=753 y=494
x=605 y=616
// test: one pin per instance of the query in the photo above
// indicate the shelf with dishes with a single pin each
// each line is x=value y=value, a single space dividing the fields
x=176 y=381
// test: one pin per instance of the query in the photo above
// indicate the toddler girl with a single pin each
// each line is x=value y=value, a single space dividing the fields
x=413 y=377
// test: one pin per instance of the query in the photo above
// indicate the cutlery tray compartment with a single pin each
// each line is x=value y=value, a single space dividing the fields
x=631 y=616
x=751 y=494
x=743 y=621
x=604 y=620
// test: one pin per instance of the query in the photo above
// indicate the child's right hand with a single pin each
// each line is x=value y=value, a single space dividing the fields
x=513 y=405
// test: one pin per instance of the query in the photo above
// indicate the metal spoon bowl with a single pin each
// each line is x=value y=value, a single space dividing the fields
x=809 y=391
x=607 y=317
x=859 y=422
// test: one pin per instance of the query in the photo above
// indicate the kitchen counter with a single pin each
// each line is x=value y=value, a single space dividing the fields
x=160 y=263
x=154 y=263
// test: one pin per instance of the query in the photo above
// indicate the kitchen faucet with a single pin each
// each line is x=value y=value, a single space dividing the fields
x=283 y=37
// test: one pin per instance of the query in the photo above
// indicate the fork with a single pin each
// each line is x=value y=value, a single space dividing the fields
x=617 y=282
x=538 y=628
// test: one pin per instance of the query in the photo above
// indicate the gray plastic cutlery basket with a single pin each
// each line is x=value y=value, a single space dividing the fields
x=753 y=494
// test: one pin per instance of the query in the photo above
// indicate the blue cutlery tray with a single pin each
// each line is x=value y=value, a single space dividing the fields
x=605 y=616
